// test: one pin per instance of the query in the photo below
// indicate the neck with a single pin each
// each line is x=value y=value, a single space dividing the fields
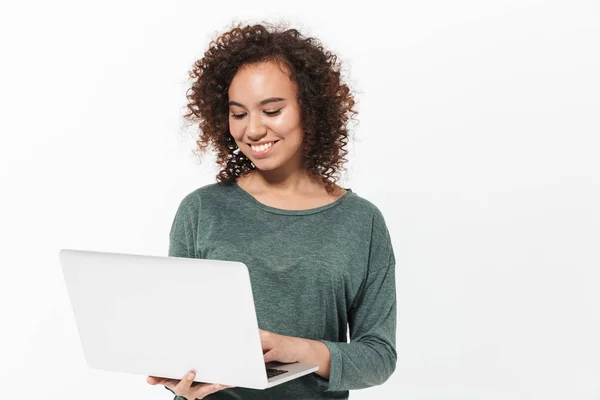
x=282 y=182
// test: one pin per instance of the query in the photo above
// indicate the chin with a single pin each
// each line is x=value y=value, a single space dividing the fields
x=265 y=166
x=268 y=164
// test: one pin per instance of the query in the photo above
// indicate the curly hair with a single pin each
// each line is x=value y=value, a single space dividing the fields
x=326 y=103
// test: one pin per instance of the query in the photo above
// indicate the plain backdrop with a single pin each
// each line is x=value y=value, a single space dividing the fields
x=478 y=138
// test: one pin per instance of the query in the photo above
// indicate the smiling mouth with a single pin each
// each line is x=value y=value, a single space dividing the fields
x=264 y=149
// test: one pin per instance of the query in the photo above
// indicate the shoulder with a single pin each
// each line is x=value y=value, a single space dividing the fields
x=381 y=250
x=364 y=209
x=204 y=196
x=206 y=193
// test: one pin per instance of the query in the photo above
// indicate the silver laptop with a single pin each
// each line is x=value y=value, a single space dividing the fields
x=163 y=316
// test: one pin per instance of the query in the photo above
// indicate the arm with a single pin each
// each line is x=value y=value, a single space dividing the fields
x=181 y=239
x=316 y=352
x=370 y=358
x=184 y=228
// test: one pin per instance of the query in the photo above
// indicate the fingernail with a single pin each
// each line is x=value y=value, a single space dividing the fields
x=190 y=376
x=217 y=386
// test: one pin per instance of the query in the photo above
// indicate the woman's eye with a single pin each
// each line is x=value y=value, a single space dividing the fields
x=269 y=113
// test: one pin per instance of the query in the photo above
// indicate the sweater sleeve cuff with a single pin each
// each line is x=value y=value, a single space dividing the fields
x=176 y=397
x=335 y=368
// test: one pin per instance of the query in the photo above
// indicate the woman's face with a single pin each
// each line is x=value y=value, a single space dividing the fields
x=264 y=116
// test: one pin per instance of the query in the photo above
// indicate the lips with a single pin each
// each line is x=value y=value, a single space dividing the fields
x=260 y=154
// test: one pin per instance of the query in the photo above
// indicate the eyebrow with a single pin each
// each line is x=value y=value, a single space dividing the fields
x=261 y=103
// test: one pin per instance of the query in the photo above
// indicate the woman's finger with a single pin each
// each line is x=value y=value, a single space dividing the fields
x=155 y=380
x=204 y=390
x=187 y=387
x=184 y=385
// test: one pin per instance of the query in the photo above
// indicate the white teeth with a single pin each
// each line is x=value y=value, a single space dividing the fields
x=260 y=149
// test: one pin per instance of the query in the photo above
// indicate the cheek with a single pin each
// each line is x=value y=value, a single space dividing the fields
x=236 y=129
x=286 y=125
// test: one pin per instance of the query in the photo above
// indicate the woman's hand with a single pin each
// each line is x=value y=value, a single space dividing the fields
x=187 y=387
x=285 y=349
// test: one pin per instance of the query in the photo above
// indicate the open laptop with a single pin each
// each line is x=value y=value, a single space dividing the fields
x=163 y=316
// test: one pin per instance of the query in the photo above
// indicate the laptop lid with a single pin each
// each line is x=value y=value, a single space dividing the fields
x=164 y=316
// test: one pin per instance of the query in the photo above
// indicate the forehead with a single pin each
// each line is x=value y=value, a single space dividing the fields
x=255 y=82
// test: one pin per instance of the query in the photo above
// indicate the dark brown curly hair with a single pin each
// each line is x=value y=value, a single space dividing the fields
x=326 y=103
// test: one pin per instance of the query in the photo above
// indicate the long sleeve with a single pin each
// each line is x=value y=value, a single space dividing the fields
x=182 y=239
x=178 y=249
x=313 y=272
x=183 y=233
x=176 y=397
x=370 y=357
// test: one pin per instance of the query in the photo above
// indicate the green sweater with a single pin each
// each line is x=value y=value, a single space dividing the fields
x=313 y=273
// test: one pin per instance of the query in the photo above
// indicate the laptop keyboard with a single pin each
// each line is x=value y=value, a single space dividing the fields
x=271 y=372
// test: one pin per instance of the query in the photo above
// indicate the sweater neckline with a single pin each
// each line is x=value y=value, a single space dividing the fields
x=283 y=211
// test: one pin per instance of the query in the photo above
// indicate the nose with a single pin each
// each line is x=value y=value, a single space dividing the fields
x=255 y=129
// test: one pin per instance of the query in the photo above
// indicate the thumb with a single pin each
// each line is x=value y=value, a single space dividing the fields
x=155 y=380
x=270 y=356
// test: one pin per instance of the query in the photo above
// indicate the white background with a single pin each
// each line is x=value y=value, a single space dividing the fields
x=478 y=139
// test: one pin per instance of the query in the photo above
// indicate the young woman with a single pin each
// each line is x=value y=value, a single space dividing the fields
x=272 y=105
